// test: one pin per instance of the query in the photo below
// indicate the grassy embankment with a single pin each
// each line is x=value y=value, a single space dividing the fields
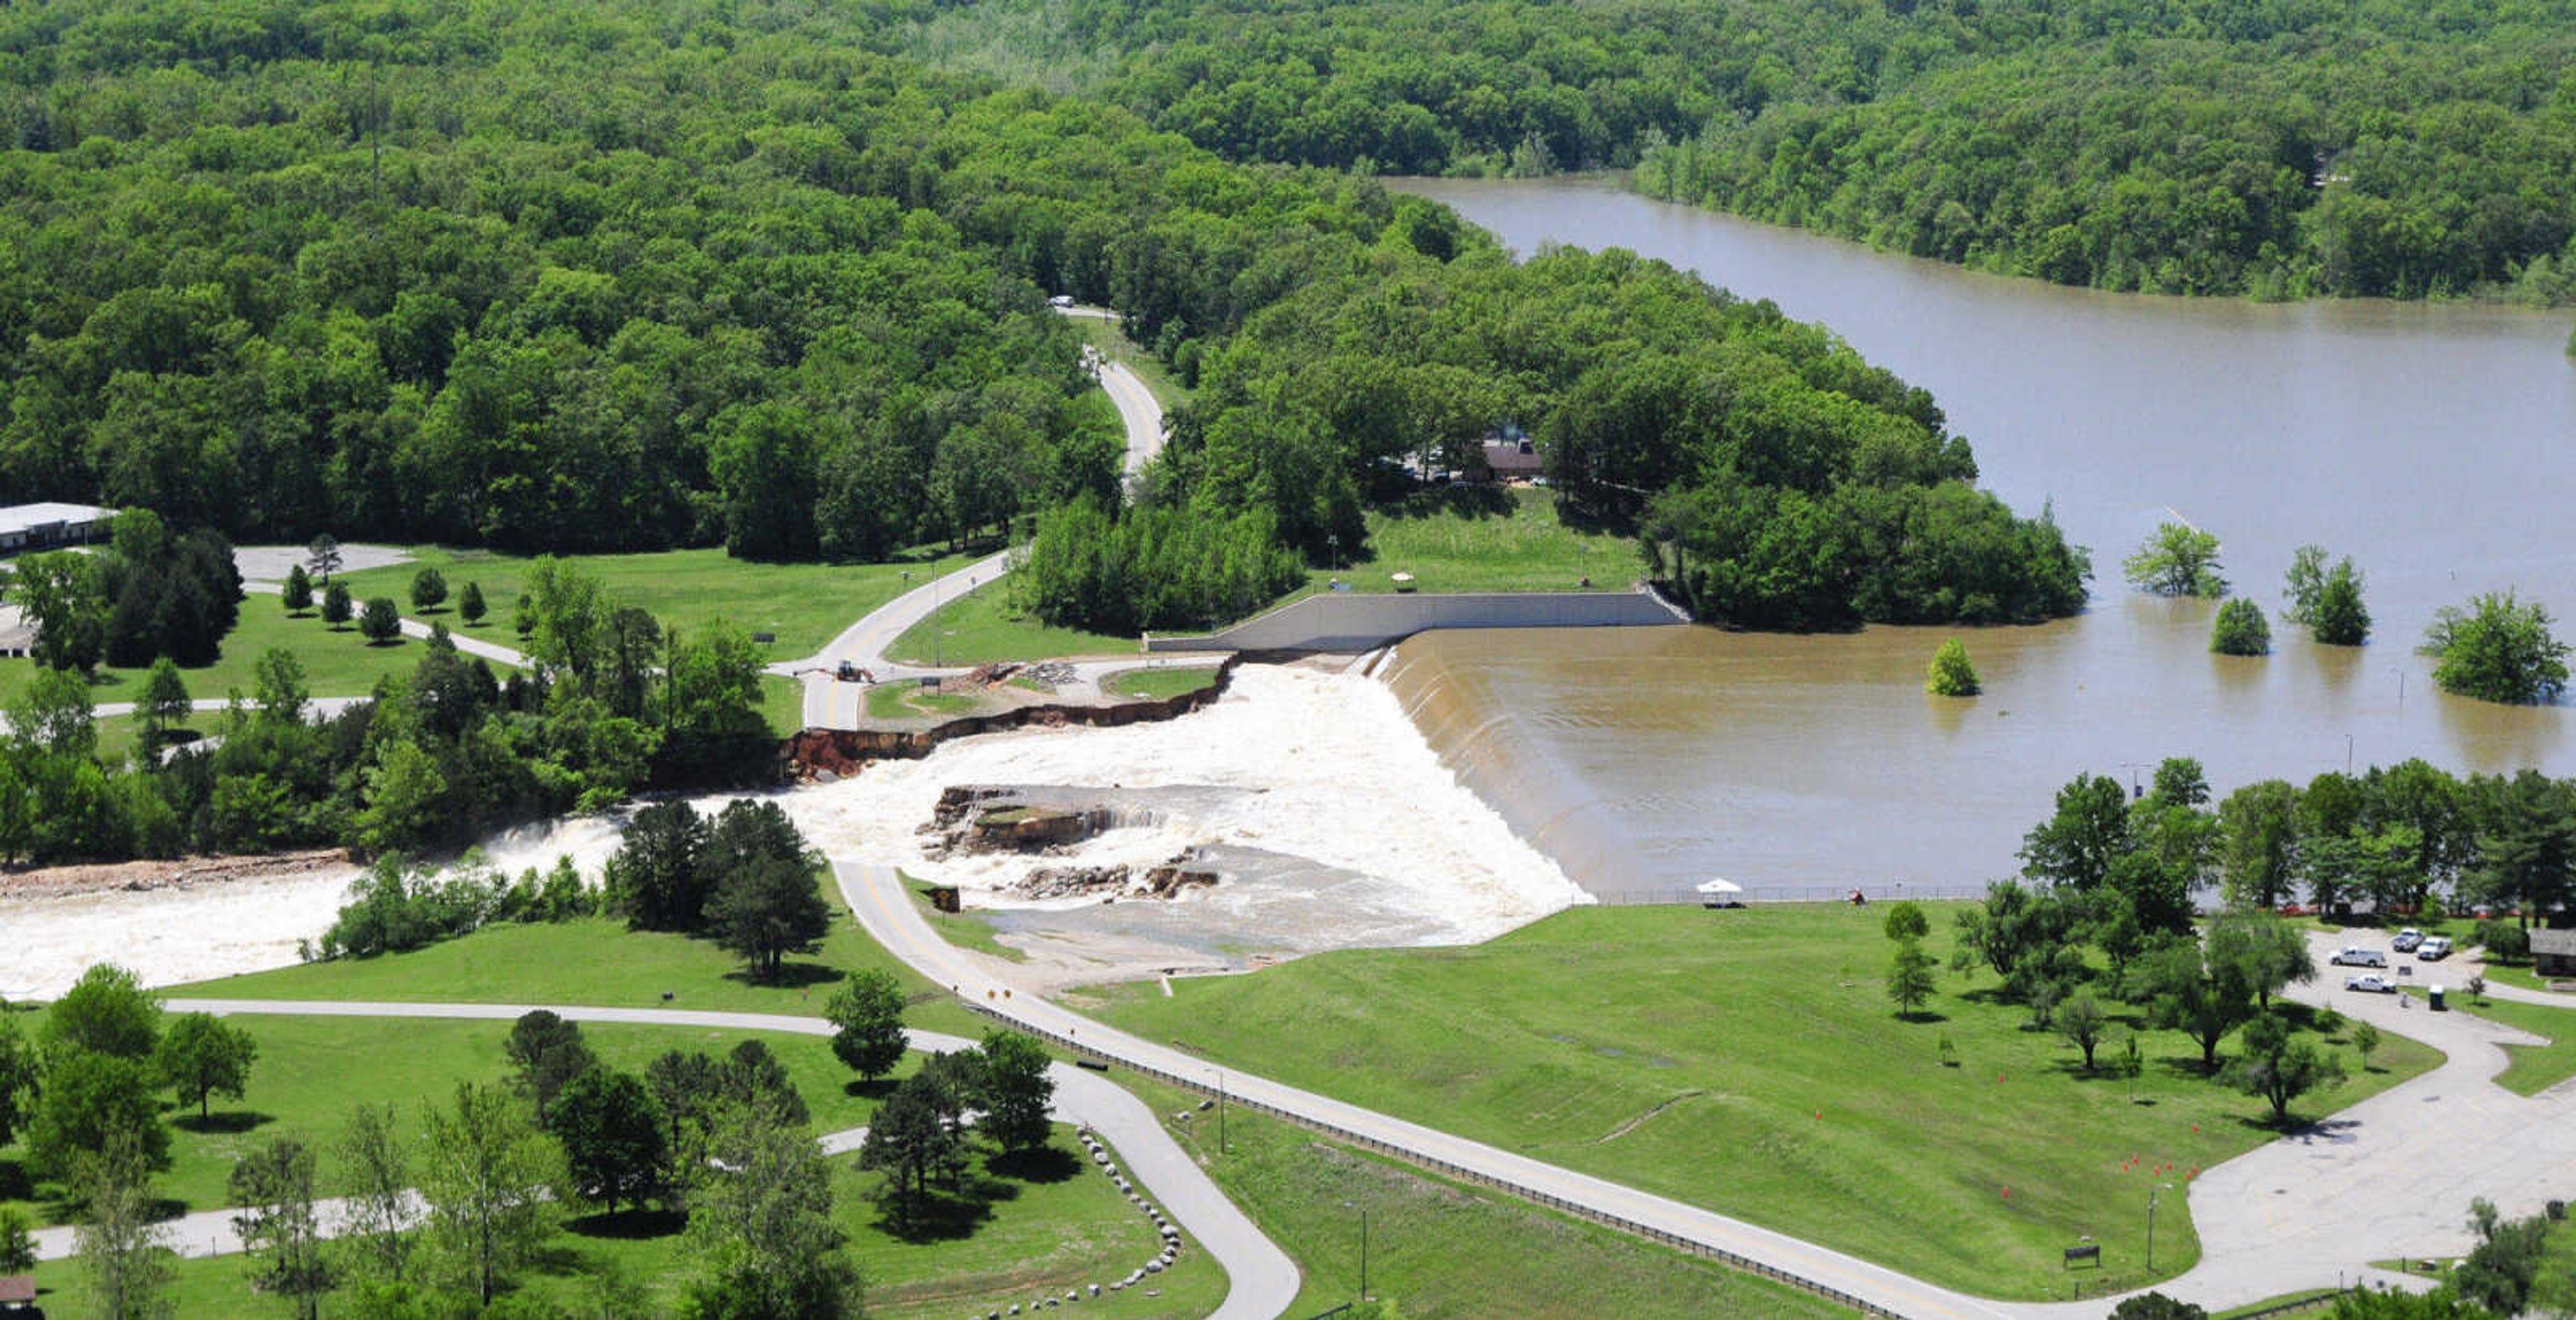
x=1438 y=1248
x=911 y=701
x=1750 y=1062
x=1465 y=540
x=1157 y=684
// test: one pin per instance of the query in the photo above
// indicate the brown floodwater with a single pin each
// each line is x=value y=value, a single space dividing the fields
x=2430 y=442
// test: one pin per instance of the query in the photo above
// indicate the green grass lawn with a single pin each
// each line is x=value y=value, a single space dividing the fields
x=1750 y=1062
x=598 y=962
x=1489 y=539
x=1050 y=1224
x=1441 y=1249
x=782 y=705
x=336 y=664
x=1154 y=684
x=911 y=701
x=805 y=605
x=966 y=930
x=312 y=1070
x=981 y=627
x=2533 y=1068
x=2516 y=974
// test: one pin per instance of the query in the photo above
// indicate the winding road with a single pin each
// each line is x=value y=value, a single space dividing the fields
x=832 y=704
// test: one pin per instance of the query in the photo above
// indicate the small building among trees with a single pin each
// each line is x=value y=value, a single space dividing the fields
x=2553 y=952
x=25 y=527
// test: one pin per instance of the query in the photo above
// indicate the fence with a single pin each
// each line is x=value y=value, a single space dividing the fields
x=1461 y=1173
x=1686 y=897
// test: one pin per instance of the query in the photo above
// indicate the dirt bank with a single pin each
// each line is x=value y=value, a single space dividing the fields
x=174 y=873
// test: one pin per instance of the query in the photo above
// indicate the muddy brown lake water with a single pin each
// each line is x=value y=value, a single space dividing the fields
x=2433 y=443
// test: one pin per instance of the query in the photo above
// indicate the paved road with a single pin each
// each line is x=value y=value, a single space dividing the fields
x=830 y=704
x=876 y=895
x=1262 y=1280
x=2391 y=1177
x=1142 y=416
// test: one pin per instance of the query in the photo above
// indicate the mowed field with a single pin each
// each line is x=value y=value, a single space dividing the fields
x=1749 y=1061
x=802 y=605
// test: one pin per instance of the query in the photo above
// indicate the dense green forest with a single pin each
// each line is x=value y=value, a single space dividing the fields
x=2273 y=147
x=567 y=277
x=438 y=757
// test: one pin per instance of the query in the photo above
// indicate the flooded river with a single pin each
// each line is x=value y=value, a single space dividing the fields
x=2432 y=443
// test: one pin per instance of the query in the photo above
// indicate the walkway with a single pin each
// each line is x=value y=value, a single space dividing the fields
x=1262 y=1281
x=2389 y=1178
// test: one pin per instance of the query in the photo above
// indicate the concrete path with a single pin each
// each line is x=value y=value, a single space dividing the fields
x=492 y=651
x=2389 y=1178
x=1262 y=1280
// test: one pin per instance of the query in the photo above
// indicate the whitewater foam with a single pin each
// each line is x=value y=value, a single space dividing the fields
x=1322 y=767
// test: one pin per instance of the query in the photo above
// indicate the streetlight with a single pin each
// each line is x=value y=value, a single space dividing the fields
x=2347 y=756
x=1220 y=1111
x=1363 y=1246
x=2152 y=1195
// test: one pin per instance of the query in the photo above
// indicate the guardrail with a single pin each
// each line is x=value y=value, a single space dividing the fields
x=2310 y=1303
x=1622 y=1223
x=1750 y=894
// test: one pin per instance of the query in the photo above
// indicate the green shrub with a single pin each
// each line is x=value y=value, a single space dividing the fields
x=1952 y=674
x=2240 y=629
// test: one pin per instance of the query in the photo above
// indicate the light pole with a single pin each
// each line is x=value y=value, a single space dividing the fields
x=2347 y=756
x=1220 y=1111
x=2158 y=1191
x=1347 y=1205
x=934 y=624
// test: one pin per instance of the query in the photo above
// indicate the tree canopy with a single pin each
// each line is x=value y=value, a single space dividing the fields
x=2498 y=649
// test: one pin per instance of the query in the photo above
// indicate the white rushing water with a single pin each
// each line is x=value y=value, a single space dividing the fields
x=1327 y=769
x=1323 y=767
x=167 y=936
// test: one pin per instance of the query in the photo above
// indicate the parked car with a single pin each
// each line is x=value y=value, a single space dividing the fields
x=2371 y=983
x=2406 y=940
x=2434 y=949
x=2357 y=956
x=1061 y=300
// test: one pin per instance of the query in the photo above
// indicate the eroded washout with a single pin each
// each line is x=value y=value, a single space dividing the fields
x=1325 y=815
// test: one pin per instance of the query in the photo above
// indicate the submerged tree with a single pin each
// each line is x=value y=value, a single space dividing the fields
x=2240 y=629
x=2327 y=600
x=2177 y=560
x=2498 y=649
x=1951 y=674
